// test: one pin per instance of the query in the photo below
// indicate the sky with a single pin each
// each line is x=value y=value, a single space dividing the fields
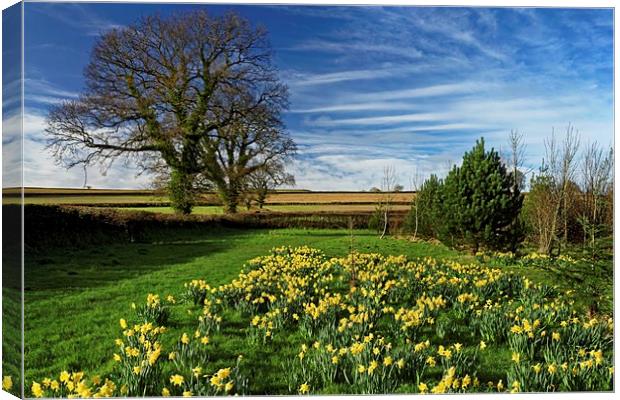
x=410 y=88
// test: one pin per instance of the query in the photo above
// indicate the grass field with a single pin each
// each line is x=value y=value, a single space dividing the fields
x=75 y=298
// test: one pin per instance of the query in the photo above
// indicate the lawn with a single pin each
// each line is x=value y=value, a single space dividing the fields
x=75 y=298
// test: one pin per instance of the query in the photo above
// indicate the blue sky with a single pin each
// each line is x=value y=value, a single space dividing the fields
x=407 y=87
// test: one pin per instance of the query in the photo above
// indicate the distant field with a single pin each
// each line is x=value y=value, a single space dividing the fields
x=144 y=198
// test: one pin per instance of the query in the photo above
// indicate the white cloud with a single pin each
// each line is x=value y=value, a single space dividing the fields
x=301 y=80
x=347 y=48
x=368 y=106
x=41 y=170
x=389 y=119
x=447 y=89
x=77 y=16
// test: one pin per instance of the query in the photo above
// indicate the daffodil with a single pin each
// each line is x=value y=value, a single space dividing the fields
x=7 y=382
x=185 y=338
x=36 y=389
x=177 y=380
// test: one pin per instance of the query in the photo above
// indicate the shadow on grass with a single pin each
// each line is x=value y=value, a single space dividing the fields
x=69 y=268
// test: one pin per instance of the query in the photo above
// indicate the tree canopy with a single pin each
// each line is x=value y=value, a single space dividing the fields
x=195 y=93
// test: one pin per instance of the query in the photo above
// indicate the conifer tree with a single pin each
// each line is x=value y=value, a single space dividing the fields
x=481 y=204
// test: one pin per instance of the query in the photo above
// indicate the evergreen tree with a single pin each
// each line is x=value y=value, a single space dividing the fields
x=480 y=202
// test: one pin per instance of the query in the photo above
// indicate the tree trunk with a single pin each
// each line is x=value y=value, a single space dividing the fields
x=230 y=197
x=261 y=196
x=385 y=223
x=180 y=190
x=475 y=247
x=594 y=222
x=415 y=231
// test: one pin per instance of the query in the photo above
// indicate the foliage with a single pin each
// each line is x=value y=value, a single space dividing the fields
x=428 y=203
x=480 y=206
x=377 y=218
x=181 y=192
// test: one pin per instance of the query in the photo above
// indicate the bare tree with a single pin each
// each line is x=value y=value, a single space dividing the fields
x=517 y=158
x=596 y=177
x=196 y=91
x=561 y=168
x=387 y=187
x=263 y=180
x=541 y=208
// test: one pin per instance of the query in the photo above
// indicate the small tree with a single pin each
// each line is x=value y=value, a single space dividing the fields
x=597 y=178
x=552 y=202
x=425 y=215
x=387 y=186
x=540 y=210
x=480 y=203
x=266 y=179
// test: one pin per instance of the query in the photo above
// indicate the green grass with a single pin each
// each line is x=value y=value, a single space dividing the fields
x=75 y=297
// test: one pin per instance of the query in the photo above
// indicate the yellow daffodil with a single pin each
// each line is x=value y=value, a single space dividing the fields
x=7 y=382
x=177 y=380
x=36 y=389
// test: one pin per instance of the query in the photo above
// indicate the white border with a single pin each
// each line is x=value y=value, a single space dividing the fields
x=480 y=3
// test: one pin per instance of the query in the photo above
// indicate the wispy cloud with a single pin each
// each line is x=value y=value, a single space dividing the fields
x=368 y=106
x=347 y=48
x=426 y=91
x=78 y=16
x=43 y=92
x=296 y=80
x=383 y=120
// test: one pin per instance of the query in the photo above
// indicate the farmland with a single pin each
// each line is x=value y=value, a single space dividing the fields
x=135 y=198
